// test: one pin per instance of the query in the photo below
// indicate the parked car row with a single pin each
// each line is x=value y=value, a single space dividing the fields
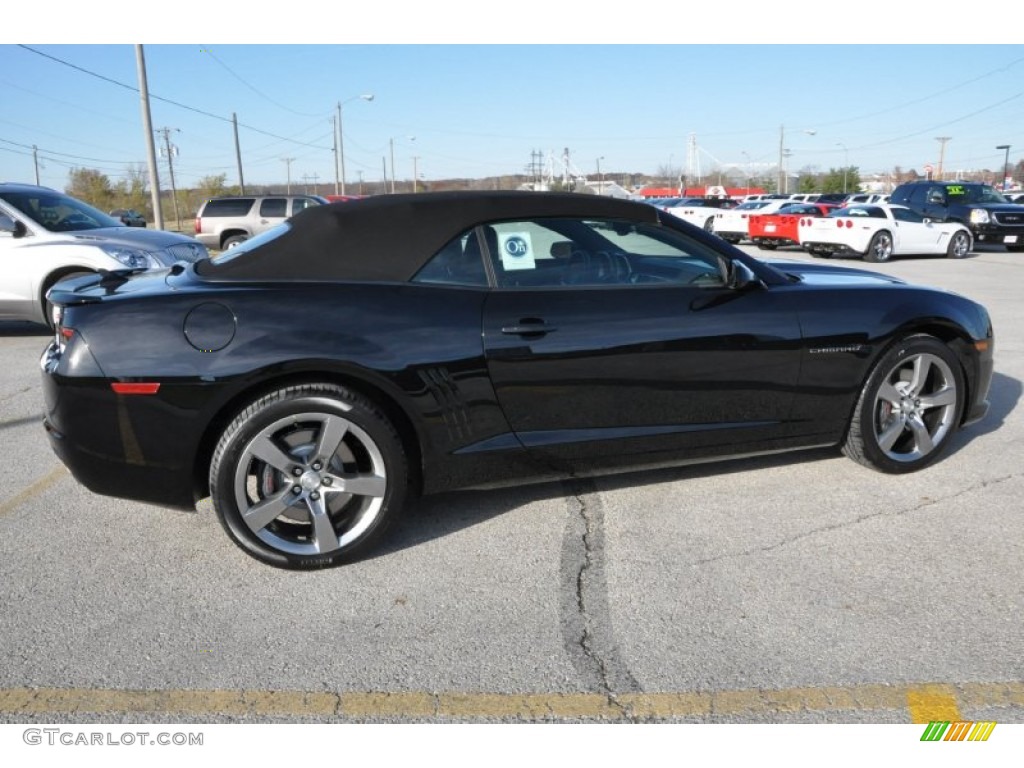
x=47 y=236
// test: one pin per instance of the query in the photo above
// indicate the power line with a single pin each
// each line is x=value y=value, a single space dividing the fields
x=202 y=112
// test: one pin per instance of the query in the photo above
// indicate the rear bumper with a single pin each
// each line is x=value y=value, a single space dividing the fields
x=106 y=454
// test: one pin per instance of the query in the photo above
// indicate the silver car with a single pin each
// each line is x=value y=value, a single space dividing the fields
x=46 y=236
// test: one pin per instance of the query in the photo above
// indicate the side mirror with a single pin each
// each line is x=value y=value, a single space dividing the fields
x=742 y=277
x=14 y=227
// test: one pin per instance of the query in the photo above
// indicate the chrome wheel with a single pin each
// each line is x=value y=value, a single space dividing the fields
x=880 y=248
x=308 y=476
x=959 y=245
x=909 y=407
x=915 y=408
x=310 y=483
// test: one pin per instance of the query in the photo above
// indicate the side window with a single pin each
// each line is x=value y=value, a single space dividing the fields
x=560 y=253
x=917 y=196
x=905 y=214
x=460 y=262
x=228 y=207
x=936 y=196
x=274 y=207
x=301 y=203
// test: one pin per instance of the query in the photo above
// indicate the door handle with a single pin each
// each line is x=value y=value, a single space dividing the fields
x=528 y=326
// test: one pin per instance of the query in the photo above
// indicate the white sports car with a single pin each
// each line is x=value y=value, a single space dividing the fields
x=700 y=210
x=732 y=225
x=878 y=232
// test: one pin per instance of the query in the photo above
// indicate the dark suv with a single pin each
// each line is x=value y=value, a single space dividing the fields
x=989 y=215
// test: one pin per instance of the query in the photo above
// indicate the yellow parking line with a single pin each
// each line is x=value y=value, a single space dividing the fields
x=37 y=487
x=929 y=703
x=924 y=703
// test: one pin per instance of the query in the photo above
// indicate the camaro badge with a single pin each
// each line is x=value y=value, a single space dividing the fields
x=843 y=348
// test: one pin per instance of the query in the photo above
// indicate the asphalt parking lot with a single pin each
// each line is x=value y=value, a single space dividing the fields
x=793 y=588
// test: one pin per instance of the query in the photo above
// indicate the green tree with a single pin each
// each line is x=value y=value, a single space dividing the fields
x=91 y=186
x=842 y=179
x=212 y=186
x=132 y=191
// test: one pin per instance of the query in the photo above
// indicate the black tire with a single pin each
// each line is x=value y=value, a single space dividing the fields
x=234 y=240
x=880 y=248
x=767 y=246
x=709 y=225
x=909 y=407
x=1015 y=248
x=959 y=245
x=308 y=477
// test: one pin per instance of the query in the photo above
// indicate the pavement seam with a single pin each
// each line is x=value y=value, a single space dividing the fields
x=850 y=523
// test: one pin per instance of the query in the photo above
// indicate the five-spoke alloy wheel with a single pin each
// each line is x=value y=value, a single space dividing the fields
x=880 y=248
x=909 y=407
x=308 y=476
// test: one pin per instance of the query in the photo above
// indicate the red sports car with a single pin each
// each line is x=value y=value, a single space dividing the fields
x=770 y=230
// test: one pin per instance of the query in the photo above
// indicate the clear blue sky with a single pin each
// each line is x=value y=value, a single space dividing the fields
x=480 y=110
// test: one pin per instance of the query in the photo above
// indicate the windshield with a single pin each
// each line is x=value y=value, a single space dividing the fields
x=974 y=193
x=59 y=213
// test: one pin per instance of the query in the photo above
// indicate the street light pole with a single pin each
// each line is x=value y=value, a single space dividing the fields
x=600 y=176
x=1006 y=164
x=340 y=158
x=783 y=180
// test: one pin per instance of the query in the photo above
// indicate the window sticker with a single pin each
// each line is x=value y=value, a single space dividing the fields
x=955 y=189
x=516 y=250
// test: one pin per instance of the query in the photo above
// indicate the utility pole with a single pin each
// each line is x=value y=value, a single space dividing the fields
x=392 y=142
x=782 y=152
x=288 y=163
x=1006 y=167
x=171 y=151
x=415 y=173
x=147 y=127
x=238 y=154
x=306 y=179
x=360 y=183
x=337 y=170
x=35 y=161
x=942 y=153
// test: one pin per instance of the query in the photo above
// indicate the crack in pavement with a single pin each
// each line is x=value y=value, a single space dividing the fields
x=849 y=523
x=585 y=617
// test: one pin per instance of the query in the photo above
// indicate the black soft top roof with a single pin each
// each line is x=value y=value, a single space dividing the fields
x=390 y=237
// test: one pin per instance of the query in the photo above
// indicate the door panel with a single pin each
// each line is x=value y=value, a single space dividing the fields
x=668 y=366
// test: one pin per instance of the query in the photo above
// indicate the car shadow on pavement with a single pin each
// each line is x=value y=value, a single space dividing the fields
x=441 y=515
x=1003 y=396
x=14 y=328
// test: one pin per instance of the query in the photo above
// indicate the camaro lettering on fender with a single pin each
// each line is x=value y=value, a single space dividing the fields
x=829 y=350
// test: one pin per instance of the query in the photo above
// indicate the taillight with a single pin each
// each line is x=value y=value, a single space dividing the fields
x=199 y=225
x=849 y=223
x=135 y=387
x=62 y=333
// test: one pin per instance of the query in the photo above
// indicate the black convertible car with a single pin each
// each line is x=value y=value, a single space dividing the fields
x=314 y=378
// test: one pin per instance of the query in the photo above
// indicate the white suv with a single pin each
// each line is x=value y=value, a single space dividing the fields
x=224 y=222
x=46 y=236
